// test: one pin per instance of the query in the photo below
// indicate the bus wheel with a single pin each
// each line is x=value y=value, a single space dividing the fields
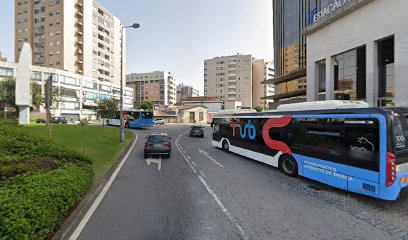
x=225 y=146
x=127 y=125
x=288 y=165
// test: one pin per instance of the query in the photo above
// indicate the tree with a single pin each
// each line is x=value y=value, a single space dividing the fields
x=147 y=105
x=106 y=109
x=8 y=93
x=258 y=108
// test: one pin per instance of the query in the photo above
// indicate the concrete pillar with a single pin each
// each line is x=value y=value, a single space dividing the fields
x=372 y=74
x=311 y=82
x=24 y=114
x=401 y=69
x=329 y=79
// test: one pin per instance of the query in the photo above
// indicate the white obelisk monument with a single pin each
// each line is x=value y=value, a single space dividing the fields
x=23 y=84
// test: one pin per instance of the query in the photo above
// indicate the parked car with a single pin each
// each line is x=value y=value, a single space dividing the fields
x=40 y=120
x=157 y=144
x=158 y=121
x=60 y=120
x=197 y=131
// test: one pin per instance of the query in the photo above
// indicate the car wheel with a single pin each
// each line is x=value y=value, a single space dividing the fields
x=225 y=146
x=202 y=136
x=146 y=156
x=127 y=125
x=288 y=165
x=168 y=155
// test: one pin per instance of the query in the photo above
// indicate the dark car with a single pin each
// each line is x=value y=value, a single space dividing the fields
x=157 y=144
x=40 y=120
x=197 y=131
x=59 y=120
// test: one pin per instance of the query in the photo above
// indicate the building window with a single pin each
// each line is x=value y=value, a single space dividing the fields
x=321 y=79
x=386 y=71
x=350 y=75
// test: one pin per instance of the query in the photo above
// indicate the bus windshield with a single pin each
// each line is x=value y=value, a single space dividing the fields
x=147 y=115
x=401 y=131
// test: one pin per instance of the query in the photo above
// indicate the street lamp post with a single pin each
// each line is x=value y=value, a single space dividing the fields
x=122 y=132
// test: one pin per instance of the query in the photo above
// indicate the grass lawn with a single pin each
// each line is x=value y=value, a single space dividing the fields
x=89 y=140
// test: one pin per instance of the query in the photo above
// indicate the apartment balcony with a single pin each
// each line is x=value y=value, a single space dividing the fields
x=232 y=68
x=232 y=86
x=79 y=3
x=79 y=23
x=234 y=92
x=232 y=75
x=232 y=98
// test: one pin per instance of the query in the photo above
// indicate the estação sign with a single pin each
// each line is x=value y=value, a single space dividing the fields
x=315 y=15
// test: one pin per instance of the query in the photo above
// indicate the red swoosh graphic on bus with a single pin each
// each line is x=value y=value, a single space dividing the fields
x=276 y=123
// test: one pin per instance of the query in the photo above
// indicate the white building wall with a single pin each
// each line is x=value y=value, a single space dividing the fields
x=364 y=26
x=87 y=37
x=69 y=36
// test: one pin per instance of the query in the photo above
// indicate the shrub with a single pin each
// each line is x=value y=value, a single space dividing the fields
x=39 y=182
x=32 y=205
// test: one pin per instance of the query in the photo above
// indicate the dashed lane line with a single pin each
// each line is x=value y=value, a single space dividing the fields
x=212 y=193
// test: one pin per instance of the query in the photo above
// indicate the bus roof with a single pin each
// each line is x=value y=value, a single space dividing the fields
x=374 y=110
x=322 y=105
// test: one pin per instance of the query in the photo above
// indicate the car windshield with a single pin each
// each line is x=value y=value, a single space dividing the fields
x=157 y=138
x=196 y=127
x=147 y=115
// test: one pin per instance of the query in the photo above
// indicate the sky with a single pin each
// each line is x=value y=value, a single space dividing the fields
x=178 y=35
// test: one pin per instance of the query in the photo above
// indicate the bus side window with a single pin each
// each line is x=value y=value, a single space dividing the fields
x=136 y=115
x=362 y=143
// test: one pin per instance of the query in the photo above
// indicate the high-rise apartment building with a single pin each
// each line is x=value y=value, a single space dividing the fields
x=229 y=78
x=78 y=36
x=262 y=71
x=186 y=91
x=238 y=78
x=158 y=87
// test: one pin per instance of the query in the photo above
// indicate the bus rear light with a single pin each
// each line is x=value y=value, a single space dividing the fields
x=391 y=169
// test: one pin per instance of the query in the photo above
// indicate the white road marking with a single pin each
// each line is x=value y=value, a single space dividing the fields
x=213 y=195
x=208 y=155
x=155 y=160
x=202 y=174
x=195 y=165
x=101 y=195
x=189 y=158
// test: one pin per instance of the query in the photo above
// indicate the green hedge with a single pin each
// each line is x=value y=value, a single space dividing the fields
x=40 y=181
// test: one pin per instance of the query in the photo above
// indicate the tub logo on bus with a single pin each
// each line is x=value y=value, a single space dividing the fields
x=276 y=123
x=243 y=131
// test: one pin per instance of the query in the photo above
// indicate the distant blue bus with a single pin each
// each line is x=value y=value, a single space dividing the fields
x=132 y=119
x=362 y=150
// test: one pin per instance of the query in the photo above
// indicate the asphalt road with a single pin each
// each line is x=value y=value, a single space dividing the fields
x=204 y=193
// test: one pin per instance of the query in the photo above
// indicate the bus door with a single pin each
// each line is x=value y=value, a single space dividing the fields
x=318 y=146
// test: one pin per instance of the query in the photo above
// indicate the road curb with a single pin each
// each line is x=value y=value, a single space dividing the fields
x=75 y=216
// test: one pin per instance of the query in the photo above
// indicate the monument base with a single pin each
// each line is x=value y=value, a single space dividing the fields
x=24 y=114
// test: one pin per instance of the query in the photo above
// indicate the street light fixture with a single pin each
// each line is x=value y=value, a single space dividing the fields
x=122 y=132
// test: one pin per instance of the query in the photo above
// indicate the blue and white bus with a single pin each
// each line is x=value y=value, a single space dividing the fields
x=345 y=144
x=132 y=119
